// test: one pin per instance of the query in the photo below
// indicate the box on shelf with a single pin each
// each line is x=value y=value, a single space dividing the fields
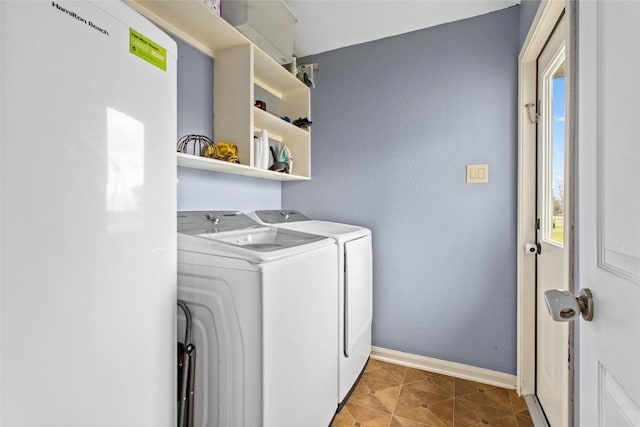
x=269 y=24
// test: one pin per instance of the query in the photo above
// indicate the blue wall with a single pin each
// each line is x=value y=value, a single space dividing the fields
x=204 y=190
x=528 y=10
x=395 y=123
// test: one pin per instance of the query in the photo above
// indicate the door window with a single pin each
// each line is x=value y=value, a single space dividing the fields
x=553 y=151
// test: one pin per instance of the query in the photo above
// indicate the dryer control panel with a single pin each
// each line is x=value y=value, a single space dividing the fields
x=280 y=216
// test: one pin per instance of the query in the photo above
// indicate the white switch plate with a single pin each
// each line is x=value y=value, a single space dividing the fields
x=478 y=173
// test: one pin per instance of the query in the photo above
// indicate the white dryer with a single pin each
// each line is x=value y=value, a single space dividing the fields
x=355 y=274
x=264 y=321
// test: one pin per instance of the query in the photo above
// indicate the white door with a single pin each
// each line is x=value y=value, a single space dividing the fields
x=609 y=211
x=552 y=338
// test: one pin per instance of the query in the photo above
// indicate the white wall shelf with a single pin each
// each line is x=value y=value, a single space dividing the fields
x=278 y=129
x=269 y=75
x=239 y=66
x=204 y=163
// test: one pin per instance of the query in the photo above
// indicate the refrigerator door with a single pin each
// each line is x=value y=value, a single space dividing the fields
x=87 y=210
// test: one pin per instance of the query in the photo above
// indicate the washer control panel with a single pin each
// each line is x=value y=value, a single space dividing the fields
x=195 y=222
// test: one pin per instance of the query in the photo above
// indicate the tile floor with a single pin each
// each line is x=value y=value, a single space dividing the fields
x=396 y=396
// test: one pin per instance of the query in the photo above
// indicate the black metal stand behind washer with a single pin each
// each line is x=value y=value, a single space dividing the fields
x=186 y=372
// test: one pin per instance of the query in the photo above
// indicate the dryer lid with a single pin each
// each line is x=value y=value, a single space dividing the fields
x=327 y=228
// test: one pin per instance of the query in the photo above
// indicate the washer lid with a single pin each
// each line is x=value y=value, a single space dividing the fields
x=230 y=233
x=262 y=239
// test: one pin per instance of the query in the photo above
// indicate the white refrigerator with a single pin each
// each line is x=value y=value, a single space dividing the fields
x=87 y=216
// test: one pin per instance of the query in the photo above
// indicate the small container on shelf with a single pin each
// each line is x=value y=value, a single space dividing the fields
x=268 y=24
x=214 y=5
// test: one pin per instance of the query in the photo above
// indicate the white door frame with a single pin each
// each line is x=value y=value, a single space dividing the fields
x=543 y=24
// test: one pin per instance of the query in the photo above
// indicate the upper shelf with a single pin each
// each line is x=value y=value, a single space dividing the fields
x=280 y=130
x=268 y=74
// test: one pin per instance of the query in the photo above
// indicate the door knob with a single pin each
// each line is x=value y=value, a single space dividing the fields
x=564 y=306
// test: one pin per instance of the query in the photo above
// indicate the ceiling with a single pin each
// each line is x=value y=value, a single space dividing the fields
x=325 y=25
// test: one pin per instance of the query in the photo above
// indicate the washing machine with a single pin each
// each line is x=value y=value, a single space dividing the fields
x=265 y=321
x=355 y=278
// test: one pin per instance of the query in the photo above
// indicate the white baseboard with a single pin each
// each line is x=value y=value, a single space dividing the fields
x=452 y=369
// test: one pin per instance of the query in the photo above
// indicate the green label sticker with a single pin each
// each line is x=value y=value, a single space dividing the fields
x=146 y=49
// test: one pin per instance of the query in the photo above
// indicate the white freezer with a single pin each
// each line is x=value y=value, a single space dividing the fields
x=87 y=218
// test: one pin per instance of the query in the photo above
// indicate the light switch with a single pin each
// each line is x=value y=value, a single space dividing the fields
x=478 y=173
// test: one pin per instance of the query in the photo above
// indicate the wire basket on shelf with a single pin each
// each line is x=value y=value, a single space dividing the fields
x=194 y=144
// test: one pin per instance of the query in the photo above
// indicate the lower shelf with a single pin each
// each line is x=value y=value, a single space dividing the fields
x=204 y=163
